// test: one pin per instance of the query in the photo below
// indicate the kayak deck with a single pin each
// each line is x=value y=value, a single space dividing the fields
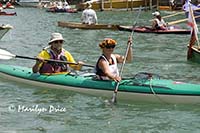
x=145 y=89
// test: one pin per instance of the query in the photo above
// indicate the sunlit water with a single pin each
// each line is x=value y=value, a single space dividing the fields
x=161 y=54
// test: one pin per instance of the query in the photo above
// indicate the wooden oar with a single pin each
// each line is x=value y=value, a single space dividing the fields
x=114 y=98
x=171 y=15
x=180 y=21
x=5 y=55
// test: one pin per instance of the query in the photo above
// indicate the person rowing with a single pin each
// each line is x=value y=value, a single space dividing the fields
x=158 y=22
x=89 y=15
x=106 y=66
x=55 y=51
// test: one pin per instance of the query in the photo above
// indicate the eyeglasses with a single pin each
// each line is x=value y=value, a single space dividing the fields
x=110 y=46
x=58 y=41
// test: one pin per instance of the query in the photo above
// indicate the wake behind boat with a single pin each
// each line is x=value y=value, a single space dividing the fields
x=143 y=87
x=148 y=29
x=86 y=26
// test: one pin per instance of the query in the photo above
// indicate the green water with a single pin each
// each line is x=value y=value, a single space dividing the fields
x=161 y=54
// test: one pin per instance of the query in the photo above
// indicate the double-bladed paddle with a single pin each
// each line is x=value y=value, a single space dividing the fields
x=114 y=98
x=5 y=55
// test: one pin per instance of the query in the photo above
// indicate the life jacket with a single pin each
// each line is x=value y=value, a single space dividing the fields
x=54 y=67
x=112 y=67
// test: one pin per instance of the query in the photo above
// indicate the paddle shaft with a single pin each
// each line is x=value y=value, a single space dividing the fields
x=171 y=15
x=49 y=60
x=181 y=20
x=114 y=98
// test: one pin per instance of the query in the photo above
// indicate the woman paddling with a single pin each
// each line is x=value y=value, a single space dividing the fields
x=106 y=66
x=158 y=22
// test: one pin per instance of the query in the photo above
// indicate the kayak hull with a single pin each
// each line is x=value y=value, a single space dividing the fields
x=145 y=29
x=151 y=91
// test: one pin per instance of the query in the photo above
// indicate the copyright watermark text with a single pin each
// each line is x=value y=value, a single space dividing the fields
x=36 y=109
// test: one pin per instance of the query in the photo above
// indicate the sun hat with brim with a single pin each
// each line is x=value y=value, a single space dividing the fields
x=156 y=13
x=56 y=37
x=107 y=41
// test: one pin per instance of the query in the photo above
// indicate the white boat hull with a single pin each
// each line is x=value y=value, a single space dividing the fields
x=121 y=96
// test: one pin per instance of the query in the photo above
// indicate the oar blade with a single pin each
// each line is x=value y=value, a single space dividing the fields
x=114 y=98
x=5 y=55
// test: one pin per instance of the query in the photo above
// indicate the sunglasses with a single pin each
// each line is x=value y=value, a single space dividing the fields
x=58 y=41
x=110 y=46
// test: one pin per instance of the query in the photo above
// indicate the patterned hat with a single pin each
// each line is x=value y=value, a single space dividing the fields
x=107 y=41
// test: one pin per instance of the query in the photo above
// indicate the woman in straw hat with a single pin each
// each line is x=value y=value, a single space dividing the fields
x=106 y=66
x=89 y=15
x=55 y=51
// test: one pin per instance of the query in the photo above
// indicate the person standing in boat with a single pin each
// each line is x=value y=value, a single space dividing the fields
x=106 y=66
x=55 y=51
x=158 y=22
x=89 y=15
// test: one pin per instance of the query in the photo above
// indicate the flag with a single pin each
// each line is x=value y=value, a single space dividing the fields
x=192 y=22
x=194 y=31
x=185 y=7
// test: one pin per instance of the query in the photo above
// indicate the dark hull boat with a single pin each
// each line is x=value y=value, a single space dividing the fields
x=147 y=29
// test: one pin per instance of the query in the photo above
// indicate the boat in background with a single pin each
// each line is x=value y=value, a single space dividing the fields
x=8 y=13
x=195 y=8
x=56 y=10
x=8 y=6
x=148 y=29
x=88 y=27
x=28 y=3
x=143 y=87
x=4 y=29
x=193 y=53
x=113 y=4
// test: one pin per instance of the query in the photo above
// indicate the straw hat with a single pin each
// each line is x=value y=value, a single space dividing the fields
x=156 y=13
x=56 y=37
x=107 y=41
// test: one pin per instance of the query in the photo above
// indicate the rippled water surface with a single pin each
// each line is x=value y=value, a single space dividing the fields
x=161 y=54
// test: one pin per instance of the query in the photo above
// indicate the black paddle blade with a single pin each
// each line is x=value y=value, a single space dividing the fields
x=114 y=98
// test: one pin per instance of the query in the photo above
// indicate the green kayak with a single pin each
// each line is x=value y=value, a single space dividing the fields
x=143 y=87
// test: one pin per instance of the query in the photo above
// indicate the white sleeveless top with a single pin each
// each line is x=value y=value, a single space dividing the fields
x=160 y=23
x=113 y=67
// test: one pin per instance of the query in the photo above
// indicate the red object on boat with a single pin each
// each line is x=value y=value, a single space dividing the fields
x=7 y=14
x=146 y=29
x=56 y=10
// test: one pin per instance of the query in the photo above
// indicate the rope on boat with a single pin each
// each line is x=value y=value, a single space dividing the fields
x=150 y=85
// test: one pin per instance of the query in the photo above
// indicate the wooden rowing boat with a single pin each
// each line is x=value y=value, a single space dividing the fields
x=147 y=29
x=86 y=26
x=194 y=54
